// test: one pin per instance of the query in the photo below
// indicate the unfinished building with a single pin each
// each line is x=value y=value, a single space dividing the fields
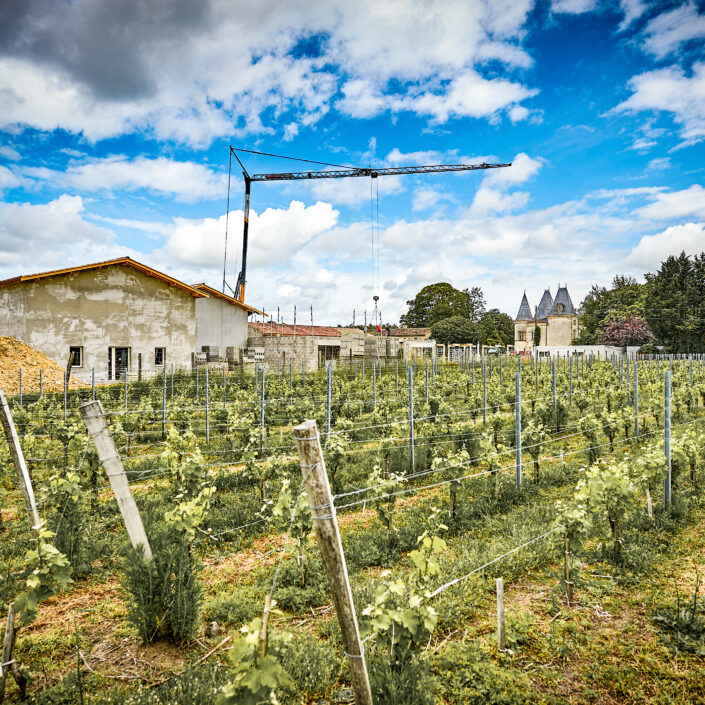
x=112 y=316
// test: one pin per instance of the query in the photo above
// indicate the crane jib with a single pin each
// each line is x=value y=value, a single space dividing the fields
x=389 y=171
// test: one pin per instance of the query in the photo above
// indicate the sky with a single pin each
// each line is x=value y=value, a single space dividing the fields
x=116 y=118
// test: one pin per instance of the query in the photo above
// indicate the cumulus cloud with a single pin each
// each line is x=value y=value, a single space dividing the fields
x=632 y=9
x=654 y=249
x=48 y=235
x=9 y=153
x=188 y=181
x=666 y=32
x=573 y=7
x=671 y=90
x=8 y=180
x=670 y=205
x=173 y=69
x=275 y=235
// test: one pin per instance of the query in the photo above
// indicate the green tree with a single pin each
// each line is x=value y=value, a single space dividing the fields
x=455 y=329
x=496 y=327
x=674 y=306
x=537 y=335
x=438 y=301
x=623 y=300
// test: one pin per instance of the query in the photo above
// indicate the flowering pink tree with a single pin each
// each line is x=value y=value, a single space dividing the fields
x=626 y=331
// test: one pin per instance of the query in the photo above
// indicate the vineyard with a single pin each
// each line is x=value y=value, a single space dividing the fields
x=576 y=481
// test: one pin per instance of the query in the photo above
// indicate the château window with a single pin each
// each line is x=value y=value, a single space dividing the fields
x=77 y=352
x=521 y=335
x=159 y=356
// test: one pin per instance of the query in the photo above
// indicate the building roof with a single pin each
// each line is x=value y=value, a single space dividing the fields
x=120 y=261
x=220 y=295
x=524 y=310
x=301 y=329
x=562 y=300
x=544 y=305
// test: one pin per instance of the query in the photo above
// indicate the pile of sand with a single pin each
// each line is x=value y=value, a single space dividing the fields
x=15 y=355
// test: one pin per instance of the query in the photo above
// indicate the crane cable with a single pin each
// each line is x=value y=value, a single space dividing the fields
x=374 y=240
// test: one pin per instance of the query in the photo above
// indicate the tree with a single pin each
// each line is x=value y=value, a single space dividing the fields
x=627 y=331
x=537 y=336
x=496 y=327
x=455 y=329
x=625 y=298
x=674 y=306
x=438 y=301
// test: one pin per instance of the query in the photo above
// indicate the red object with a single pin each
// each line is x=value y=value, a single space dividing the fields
x=379 y=329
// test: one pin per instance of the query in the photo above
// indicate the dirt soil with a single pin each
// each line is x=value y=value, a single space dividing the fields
x=15 y=355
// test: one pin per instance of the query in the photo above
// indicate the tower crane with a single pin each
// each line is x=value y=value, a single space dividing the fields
x=336 y=172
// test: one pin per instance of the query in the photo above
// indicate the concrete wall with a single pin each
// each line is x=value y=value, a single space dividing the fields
x=603 y=352
x=97 y=309
x=220 y=323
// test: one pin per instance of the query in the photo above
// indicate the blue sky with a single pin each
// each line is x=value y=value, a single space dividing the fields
x=115 y=122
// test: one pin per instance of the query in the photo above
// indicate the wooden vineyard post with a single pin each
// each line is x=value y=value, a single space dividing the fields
x=484 y=392
x=320 y=500
x=7 y=662
x=94 y=419
x=501 y=626
x=18 y=461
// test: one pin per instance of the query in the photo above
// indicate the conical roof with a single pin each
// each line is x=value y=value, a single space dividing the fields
x=544 y=305
x=562 y=305
x=524 y=310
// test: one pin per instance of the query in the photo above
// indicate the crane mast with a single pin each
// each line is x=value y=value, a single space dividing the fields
x=336 y=173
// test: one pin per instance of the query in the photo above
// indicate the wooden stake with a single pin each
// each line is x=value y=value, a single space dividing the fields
x=501 y=627
x=567 y=567
x=323 y=513
x=94 y=419
x=8 y=664
x=18 y=461
x=265 y=621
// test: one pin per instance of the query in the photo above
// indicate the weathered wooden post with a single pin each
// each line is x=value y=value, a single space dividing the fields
x=501 y=626
x=94 y=420
x=320 y=501
x=7 y=663
x=18 y=461
x=41 y=383
x=636 y=400
x=20 y=387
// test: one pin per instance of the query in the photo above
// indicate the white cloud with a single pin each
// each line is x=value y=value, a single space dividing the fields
x=659 y=164
x=187 y=181
x=426 y=197
x=672 y=205
x=8 y=180
x=353 y=191
x=573 y=7
x=522 y=169
x=177 y=74
x=488 y=200
x=50 y=235
x=654 y=249
x=467 y=95
x=642 y=144
x=10 y=153
x=666 y=32
x=275 y=235
x=633 y=10
x=670 y=90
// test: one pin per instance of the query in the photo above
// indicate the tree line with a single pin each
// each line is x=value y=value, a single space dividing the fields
x=458 y=316
x=666 y=312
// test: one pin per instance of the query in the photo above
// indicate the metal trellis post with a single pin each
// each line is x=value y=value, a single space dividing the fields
x=517 y=403
x=667 y=437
